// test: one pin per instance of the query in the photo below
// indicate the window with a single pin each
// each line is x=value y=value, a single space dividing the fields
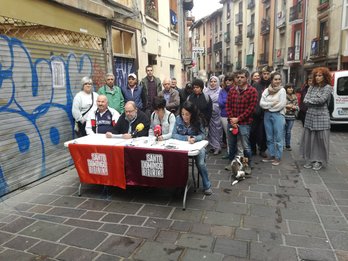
x=228 y=14
x=172 y=70
x=342 y=86
x=345 y=15
x=151 y=9
x=173 y=12
x=123 y=43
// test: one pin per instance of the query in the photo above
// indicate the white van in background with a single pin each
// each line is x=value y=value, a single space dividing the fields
x=340 y=94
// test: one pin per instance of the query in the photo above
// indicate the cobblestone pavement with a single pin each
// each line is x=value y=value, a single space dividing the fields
x=282 y=212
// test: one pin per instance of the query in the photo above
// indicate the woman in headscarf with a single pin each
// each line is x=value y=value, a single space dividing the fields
x=273 y=101
x=215 y=126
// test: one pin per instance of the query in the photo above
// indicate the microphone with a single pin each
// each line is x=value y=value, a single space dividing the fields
x=157 y=131
x=138 y=129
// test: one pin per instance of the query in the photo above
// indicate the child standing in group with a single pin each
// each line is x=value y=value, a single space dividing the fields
x=290 y=110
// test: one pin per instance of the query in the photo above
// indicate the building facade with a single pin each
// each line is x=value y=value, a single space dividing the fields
x=291 y=36
x=46 y=47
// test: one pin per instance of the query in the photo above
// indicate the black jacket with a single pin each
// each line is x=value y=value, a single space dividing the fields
x=122 y=124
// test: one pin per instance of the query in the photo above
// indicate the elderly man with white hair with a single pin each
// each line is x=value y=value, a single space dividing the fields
x=171 y=96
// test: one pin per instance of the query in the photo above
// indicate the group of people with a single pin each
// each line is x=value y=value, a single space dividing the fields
x=119 y=111
x=254 y=114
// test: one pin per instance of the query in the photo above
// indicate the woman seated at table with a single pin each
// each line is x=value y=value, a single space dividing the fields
x=162 y=120
x=189 y=127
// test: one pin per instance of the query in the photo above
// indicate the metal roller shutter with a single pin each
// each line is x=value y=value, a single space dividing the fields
x=40 y=74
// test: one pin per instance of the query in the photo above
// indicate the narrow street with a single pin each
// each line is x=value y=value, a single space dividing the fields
x=282 y=212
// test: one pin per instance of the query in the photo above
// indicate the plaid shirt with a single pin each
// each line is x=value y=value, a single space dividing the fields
x=241 y=104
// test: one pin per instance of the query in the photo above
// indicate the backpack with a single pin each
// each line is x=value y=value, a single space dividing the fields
x=170 y=114
x=331 y=104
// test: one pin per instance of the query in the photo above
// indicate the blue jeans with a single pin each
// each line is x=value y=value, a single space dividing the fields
x=274 y=127
x=202 y=168
x=244 y=136
x=288 y=127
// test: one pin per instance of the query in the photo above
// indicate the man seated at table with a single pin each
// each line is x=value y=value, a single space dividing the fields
x=103 y=119
x=162 y=120
x=129 y=123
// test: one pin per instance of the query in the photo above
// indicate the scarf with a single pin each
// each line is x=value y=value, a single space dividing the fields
x=273 y=90
x=291 y=97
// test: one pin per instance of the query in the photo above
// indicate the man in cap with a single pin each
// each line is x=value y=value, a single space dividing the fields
x=113 y=93
x=134 y=92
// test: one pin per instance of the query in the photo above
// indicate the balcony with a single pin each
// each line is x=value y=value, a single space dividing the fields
x=265 y=26
x=251 y=4
x=251 y=30
x=227 y=60
x=218 y=66
x=294 y=53
x=238 y=65
x=227 y=37
x=263 y=59
x=320 y=47
x=238 y=40
x=295 y=16
x=209 y=50
x=281 y=20
x=323 y=5
x=217 y=46
x=249 y=60
x=239 y=18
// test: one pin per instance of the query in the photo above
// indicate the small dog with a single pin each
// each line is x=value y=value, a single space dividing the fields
x=240 y=168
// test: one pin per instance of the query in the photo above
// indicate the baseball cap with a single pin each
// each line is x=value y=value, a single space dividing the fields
x=132 y=75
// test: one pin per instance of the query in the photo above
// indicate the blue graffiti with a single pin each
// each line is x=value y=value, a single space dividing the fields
x=36 y=113
x=23 y=142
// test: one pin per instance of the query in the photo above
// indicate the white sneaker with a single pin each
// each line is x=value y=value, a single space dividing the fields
x=208 y=192
x=317 y=166
x=308 y=165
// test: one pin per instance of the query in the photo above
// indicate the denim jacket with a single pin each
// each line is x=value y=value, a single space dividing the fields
x=182 y=132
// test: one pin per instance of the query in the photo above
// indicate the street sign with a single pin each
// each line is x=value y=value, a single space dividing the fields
x=197 y=49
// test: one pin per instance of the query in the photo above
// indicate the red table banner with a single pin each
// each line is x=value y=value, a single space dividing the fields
x=156 y=167
x=99 y=164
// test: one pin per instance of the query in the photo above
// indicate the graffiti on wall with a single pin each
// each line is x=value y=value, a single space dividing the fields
x=35 y=111
x=123 y=67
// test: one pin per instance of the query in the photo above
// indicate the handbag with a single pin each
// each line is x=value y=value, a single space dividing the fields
x=79 y=127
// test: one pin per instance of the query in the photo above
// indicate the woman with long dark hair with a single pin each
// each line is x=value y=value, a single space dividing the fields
x=188 y=127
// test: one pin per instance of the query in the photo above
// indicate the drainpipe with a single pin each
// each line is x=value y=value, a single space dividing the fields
x=340 y=44
x=304 y=35
x=274 y=30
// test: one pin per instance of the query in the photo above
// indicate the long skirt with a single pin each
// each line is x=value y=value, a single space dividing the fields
x=215 y=132
x=315 y=145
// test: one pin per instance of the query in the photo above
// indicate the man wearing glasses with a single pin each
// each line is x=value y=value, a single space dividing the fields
x=129 y=120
